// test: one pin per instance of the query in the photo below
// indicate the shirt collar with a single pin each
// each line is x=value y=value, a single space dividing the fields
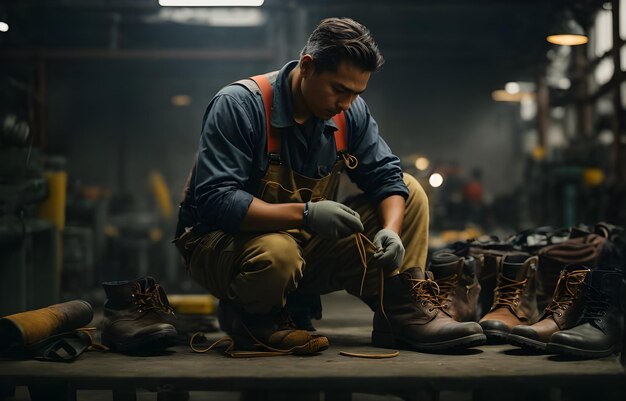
x=282 y=103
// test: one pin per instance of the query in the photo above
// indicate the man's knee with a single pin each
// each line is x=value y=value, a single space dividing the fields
x=417 y=196
x=277 y=251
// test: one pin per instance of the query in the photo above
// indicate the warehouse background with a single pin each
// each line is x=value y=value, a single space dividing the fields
x=114 y=92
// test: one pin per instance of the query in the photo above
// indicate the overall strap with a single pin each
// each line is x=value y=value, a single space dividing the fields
x=273 y=137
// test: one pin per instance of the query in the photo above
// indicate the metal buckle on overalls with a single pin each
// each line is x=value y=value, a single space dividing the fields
x=275 y=158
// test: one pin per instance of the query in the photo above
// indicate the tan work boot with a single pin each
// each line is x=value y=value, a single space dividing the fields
x=410 y=316
x=561 y=314
x=458 y=285
x=267 y=332
x=514 y=300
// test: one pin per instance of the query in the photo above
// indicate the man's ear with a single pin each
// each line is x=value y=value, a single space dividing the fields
x=307 y=67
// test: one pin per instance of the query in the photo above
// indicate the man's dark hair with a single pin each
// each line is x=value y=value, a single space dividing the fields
x=337 y=39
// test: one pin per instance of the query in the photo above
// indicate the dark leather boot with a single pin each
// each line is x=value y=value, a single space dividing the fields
x=135 y=317
x=411 y=317
x=584 y=250
x=599 y=331
x=562 y=313
x=514 y=297
x=458 y=285
x=267 y=332
x=488 y=261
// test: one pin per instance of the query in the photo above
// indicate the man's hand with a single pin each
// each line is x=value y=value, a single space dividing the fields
x=331 y=219
x=392 y=253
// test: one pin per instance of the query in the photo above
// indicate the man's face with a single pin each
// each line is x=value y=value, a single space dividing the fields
x=328 y=93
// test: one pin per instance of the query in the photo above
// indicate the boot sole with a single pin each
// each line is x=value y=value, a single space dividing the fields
x=152 y=343
x=496 y=336
x=388 y=340
x=582 y=353
x=525 y=342
x=313 y=346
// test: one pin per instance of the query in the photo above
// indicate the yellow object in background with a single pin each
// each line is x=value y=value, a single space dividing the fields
x=193 y=304
x=592 y=177
x=161 y=194
x=53 y=208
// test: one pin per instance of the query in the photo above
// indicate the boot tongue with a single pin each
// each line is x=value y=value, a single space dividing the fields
x=414 y=273
x=513 y=267
x=444 y=265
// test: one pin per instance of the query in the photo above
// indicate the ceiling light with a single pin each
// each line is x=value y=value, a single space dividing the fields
x=210 y=3
x=512 y=88
x=422 y=163
x=181 y=100
x=435 y=180
x=4 y=27
x=567 y=32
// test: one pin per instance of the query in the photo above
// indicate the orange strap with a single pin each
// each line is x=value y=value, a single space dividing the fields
x=273 y=137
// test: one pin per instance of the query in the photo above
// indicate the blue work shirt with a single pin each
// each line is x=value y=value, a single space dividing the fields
x=232 y=156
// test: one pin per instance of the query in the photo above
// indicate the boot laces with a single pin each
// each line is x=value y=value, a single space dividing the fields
x=508 y=292
x=153 y=299
x=426 y=291
x=446 y=285
x=567 y=290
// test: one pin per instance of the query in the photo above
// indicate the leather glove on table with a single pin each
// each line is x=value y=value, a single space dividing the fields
x=392 y=253
x=332 y=220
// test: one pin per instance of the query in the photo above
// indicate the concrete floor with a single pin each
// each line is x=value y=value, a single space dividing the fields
x=487 y=372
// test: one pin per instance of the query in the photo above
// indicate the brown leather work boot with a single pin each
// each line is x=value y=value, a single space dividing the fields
x=514 y=297
x=561 y=314
x=410 y=316
x=135 y=317
x=267 y=332
x=458 y=285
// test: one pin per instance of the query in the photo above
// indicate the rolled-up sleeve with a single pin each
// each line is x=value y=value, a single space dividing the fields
x=379 y=172
x=224 y=162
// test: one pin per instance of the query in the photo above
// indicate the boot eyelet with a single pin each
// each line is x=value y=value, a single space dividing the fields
x=559 y=314
x=430 y=309
x=423 y=303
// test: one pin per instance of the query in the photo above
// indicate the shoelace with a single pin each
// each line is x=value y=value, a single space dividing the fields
x=229 y=342
x=428 y=291
x=152 y=300
x=567 y=290
x=446 y=286
x=93 y=345
x=508 y=294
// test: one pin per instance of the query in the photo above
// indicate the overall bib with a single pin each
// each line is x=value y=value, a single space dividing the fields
x=258 y=270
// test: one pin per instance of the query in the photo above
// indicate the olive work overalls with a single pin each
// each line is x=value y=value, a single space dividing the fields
x=258 y=270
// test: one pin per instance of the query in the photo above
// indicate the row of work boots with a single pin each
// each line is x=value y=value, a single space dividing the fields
x=584 y=317
x=410 y=315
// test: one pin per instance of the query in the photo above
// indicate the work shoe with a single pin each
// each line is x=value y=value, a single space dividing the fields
x=599 y=331
x=135 y=317
x=582 y=250
x=267 y=332
x=458 y=285
x=561 y=314
x=514 y=297
x=488 y=261
x=410 y=316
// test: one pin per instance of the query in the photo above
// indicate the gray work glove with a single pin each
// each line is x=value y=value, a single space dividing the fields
x=392 y=253
x=330 y=219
